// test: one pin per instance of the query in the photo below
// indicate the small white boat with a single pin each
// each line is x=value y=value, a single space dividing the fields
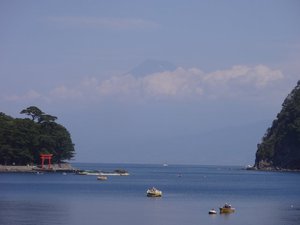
x=212 y=212
x=153 y=192
x=249 y=167
x=102 y=177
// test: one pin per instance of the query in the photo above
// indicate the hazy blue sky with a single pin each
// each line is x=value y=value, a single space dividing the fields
x=234 y=62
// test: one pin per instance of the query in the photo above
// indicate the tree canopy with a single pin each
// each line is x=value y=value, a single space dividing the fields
x=23 y=140
x=38 y=114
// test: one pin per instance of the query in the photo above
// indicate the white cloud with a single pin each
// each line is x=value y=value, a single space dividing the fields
x=193 y=83
x=238 y=81
x=264 y=75
x=119 y=85
x=180 y=82
x=258 y=76
x=96 y=22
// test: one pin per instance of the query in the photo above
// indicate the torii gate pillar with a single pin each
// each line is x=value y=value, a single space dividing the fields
x=48 y=157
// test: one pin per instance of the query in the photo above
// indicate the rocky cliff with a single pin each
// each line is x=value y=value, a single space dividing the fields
x=280 y=146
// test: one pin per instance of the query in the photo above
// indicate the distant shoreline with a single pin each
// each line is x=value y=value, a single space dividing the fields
x=272 y=169
x=63 y=167
x=68 y=168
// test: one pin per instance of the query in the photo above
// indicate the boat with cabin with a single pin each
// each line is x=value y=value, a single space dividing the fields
x=153 y=192
x=227 y=208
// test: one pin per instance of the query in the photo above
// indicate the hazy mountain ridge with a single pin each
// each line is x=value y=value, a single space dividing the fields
x=280 y=146
x=151 y=66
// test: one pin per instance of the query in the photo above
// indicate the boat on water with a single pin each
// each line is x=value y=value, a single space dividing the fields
x=212 y=212
x=102 y=177
x=227 y=208
x=153 y=192
x=249 y=167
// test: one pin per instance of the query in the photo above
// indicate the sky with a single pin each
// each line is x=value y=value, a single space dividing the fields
x=212 y=75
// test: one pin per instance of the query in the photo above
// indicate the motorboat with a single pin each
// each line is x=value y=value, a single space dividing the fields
x=102 y=177
x=153 y=192
x=212 y=212
x=227 y=208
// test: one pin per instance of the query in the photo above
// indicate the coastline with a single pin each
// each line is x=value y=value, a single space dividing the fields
x=68 y=168
x=63 y=167
x=272 y=169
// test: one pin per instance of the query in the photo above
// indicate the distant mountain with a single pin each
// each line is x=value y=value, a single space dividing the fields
x=280 y=146
x=151 y=66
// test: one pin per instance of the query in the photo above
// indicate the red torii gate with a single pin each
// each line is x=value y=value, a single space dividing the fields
x=48 y=157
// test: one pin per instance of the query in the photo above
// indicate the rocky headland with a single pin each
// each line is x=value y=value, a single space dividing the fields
x=279 y=149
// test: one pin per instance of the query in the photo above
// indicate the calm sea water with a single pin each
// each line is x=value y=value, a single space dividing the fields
x=260 y=198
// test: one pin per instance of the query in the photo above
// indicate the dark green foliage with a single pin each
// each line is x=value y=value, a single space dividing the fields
x=32 y=111
x=23 y=140
x=280 y=147
x=39 y=115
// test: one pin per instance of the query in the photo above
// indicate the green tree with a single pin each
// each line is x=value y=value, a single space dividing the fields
x=45 y=118
x=33 y=111
x=23 y=140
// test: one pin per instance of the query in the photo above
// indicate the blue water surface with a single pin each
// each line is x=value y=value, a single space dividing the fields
x=189 y=192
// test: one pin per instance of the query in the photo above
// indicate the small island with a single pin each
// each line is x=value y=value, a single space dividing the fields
x=24 y=140
x=280 y=146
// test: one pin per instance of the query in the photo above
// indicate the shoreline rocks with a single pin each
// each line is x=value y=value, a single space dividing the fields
x=63 y=167
x=272 y=169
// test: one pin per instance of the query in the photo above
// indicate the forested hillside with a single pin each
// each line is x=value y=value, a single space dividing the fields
x=280 y=146
x=23 y=140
